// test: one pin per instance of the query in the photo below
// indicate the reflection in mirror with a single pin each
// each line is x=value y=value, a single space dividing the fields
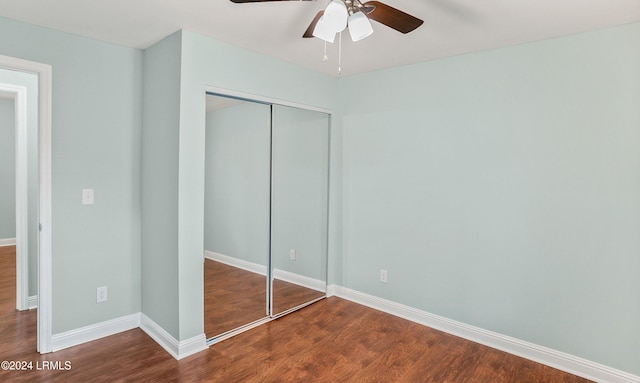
x=299 y=205
x=236 y=217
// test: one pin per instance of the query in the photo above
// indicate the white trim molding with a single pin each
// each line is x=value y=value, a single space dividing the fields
x=177 y=349
x=556 y=359
x=96 y=331
x=7 y=242
x=32 y=302
x=266 y=100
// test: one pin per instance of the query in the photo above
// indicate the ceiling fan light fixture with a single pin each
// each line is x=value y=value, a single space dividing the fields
x=359 y=26
x=335 y=16
x=324 y=31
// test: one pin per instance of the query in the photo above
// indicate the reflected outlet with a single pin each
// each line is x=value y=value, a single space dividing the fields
x=292 y=254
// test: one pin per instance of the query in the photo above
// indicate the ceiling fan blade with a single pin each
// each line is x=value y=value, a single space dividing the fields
x=261 y=1
x=312 y=26
x=392 y=17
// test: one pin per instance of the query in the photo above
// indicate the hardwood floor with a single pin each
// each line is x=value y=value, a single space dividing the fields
x=333 y=340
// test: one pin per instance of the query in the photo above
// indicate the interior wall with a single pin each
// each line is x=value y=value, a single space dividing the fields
x=237 y=185
x=161 y=111
x=96 y=142
x=501 y=189
x=7 y=169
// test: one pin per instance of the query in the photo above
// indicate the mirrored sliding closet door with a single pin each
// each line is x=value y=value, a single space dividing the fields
x=236 y=217
x=265 y=218
x=300 y=174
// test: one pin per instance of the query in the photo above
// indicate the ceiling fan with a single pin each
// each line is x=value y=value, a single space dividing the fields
x=355 y=15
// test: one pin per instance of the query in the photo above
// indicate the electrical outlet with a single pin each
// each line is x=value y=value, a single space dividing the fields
x=292 y=254
x=383 y=275
x=101 y=294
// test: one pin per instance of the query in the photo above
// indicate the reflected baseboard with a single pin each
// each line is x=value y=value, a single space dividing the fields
x=7 y=242
x=300 y=280
x=32 y=302
x=283 y=275
x=235 y=262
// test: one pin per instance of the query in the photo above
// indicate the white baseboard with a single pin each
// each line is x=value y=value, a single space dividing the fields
x=7 y=242
x=235 y=262
x=177 y=349
x=300 y=280
x=32 y=302
x=556 y=359
x=93 y=332
x=85 y=334
x=332 y=290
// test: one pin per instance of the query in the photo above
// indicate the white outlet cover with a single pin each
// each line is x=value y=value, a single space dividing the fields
x=101 y=294
x=87 y=196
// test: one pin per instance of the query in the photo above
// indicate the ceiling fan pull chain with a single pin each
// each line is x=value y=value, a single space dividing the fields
x=325 y=58
x=340 y=54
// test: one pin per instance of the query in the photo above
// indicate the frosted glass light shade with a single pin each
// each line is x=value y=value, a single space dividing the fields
x=335 y=16
x=359 y=26
x=324 y=31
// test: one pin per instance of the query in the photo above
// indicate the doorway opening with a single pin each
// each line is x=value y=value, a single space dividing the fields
x=33 y=200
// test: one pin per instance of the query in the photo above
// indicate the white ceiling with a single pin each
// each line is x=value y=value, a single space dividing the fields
x=451 y=27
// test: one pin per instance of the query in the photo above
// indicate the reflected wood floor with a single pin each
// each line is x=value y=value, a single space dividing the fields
x=289 y=295
x=234 y=297
x=333 y=340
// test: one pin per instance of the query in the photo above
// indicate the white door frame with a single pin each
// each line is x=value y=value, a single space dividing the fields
x=19 y=96
x=44 y=73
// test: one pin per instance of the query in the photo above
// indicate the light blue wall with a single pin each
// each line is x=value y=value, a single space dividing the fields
x=236 y=205
x=96 y=144
x=161 y=113
x=7 y=169
x=501 y=189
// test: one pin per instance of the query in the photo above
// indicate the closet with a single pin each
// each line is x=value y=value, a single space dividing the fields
x=266 y=211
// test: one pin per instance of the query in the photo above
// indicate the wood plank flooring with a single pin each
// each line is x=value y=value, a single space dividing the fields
x=333 y=340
